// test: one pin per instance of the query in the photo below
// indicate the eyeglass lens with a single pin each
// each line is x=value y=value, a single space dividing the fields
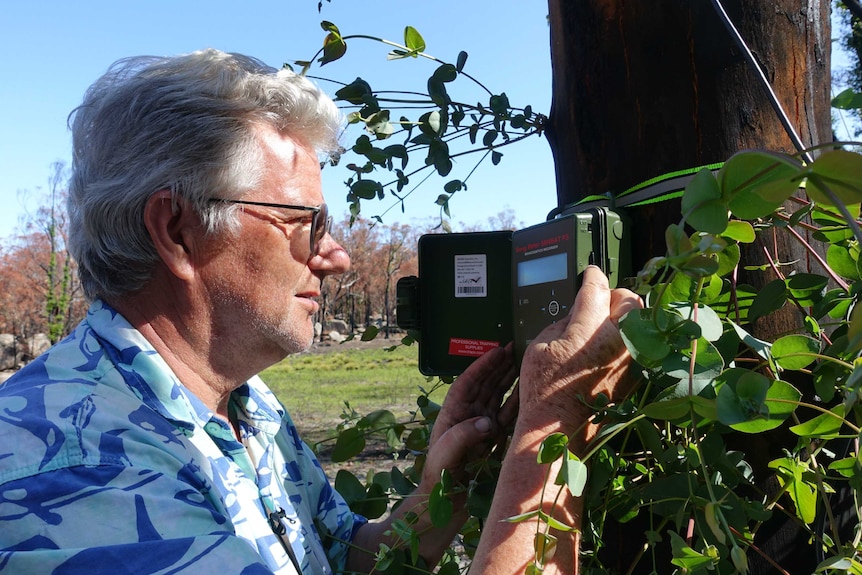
x=320 y=223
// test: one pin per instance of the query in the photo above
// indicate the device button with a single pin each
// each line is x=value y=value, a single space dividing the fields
x=618 y=229
x=554 y=308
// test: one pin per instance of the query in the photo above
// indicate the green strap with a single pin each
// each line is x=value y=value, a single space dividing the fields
x=658 y=189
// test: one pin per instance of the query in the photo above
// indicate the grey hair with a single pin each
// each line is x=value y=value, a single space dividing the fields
x=184 y=124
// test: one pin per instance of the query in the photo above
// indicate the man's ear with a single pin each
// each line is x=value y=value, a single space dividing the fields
x=174 y=228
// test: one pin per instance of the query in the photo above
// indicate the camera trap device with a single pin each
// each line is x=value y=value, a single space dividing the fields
x=478 y=291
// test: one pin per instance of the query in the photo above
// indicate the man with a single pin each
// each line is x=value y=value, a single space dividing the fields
x=145 y=442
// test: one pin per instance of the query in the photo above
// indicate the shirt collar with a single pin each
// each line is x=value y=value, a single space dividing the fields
x=152 y=379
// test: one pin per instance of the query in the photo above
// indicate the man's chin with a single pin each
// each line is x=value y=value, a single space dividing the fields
x=297 y=346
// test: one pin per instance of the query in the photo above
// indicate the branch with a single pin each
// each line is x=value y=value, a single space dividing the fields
x=854 y=7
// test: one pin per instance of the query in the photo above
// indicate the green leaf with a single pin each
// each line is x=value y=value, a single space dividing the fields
x=795 y=352
x=350 y=443
x=791 y=474
x=687 y=558
x=438 y=93
x=827 y=376
x=755 y=183
x=552 y=448
x=677 y=241
x=739 y=559
x=556 y=523
x=841 y=171
x=647 y=344
x=710 y=324
x=438 y=155
x=349 y=487
x=781 y=401
x=692 y=380
x=328 y=26
x=355 y=92
x=489 y=137
x=462 y=60
x=439 y=506
x=759 y=346
x=847 y=100
x=710 y=514
x=375 y=503
x=854 y=331
x=699 y=266
x=445 y=73
x=545 y=546
x=847 y=467
x=841 y=261
x=365 y=189
x=379 y=125
x=452 y=186
x=334 y=48
x=681 y=407
x=370 y=333
x=377 y=419
x=742 y=398
x=702 y=204
x=397 y=151
x=824 y=426
x=413 y=39
x=840 y=564
x=806 y=289
x=740 y=231
x=771 y=298
x=574 y=474
x=522 y=516
x=728 y=259
x=670 y=409
x=499 y=104
x=417 y=439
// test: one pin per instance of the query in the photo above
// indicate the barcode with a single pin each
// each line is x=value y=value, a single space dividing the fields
x=471 y=289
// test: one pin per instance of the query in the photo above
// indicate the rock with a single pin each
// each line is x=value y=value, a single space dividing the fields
x=336 y=325
x=8 y=352
x=336 y=337
x=38 y=344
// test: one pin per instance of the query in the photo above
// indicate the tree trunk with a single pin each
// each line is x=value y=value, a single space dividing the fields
x=644 y=88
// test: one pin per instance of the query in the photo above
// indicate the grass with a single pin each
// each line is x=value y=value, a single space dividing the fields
x=314 y=387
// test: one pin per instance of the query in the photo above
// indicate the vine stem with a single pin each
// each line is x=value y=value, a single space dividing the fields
x=822 y=410
x=599 y=444
x=759 y=551
x=406 y=49
x=837 y=279
x=848 y=217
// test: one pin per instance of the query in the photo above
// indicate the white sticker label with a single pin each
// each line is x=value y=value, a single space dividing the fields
x=471 y=276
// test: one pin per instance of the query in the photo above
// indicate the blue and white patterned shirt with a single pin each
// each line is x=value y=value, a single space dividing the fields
x=109 y=465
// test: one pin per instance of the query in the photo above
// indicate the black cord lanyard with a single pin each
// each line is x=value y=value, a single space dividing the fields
x=277 y=520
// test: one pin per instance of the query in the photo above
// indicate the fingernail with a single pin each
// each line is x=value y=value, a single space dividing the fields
x=483 y=425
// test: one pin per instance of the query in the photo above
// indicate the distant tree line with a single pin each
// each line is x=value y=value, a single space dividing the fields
x=39 y=288
x=40 y=292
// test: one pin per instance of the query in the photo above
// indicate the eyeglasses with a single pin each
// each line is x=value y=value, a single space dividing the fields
x=321 y=221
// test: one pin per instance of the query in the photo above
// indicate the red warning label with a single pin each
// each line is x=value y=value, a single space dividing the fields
x=470 y=347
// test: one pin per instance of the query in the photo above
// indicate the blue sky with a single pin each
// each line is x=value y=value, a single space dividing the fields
x=54 y=49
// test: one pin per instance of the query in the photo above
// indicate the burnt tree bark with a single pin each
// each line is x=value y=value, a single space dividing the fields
x=644 y=88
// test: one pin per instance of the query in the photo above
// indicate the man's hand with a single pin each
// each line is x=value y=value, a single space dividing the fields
x=572 y=361
x=473 y=417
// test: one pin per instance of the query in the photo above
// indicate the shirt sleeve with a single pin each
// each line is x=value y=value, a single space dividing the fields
x=114 y=519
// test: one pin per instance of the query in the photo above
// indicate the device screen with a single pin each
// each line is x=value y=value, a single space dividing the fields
x=543 y=270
